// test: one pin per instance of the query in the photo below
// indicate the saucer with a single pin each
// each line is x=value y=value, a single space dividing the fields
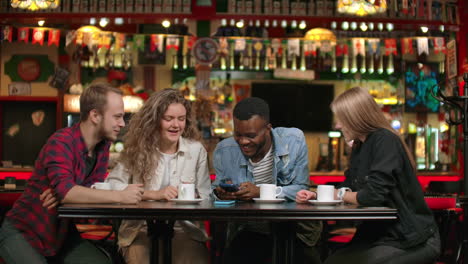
x=325 y=202
x=277 y=200
x=191 y=201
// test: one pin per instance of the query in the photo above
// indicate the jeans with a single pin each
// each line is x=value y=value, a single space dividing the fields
x=15 y=249
x=365 y=253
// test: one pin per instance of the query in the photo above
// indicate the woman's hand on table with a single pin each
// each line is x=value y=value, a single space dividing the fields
x=303 y=196
x=132 y=194
x=167 y=193
x=48 y=199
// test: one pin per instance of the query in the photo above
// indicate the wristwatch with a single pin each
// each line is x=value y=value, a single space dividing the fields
x=342 y=191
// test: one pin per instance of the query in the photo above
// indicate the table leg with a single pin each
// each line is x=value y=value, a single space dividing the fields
x=160 y=230
x=284 y=236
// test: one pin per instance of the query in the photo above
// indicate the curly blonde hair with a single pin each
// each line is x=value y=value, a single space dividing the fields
x=140 y=155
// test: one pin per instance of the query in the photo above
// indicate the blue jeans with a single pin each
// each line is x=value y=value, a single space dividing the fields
x=14 y=248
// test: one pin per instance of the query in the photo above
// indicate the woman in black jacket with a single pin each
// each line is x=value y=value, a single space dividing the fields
x=381 y=173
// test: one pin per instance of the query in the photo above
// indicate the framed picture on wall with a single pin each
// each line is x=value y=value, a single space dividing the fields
x=19 y=88
x=420 y=78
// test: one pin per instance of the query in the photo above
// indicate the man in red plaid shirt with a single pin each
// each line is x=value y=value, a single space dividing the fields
x=69 y=163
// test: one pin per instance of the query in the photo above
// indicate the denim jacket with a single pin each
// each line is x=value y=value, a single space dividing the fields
x=291 y=164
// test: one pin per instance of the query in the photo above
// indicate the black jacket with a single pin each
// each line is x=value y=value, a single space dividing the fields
x=382 y=175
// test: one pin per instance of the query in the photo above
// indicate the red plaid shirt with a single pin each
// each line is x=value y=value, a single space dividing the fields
x=60 y=166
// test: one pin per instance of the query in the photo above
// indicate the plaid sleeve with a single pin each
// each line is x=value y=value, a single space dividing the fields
x=58 y=161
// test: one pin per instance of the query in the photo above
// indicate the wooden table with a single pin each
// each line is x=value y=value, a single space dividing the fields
x=283 y=216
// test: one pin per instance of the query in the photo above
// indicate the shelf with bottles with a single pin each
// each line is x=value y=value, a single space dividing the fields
x=406 y=11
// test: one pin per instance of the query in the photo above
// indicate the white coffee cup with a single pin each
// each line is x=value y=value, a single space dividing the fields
x=118 y=186
x=186 y=191
x=102 y=186
x=325 y=193
x=269 y=191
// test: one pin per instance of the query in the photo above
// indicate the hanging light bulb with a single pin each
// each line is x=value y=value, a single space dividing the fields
x=294 y=24
x=223 y=22
x=103 y=22
x=302 y=25
x=41 y=22
x=284 y=24
x=363 y=26
x=275 y=23
x=166 y=23
x=345 y=25
x=390 y=26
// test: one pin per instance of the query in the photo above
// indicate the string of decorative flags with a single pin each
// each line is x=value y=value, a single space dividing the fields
x=286 y=49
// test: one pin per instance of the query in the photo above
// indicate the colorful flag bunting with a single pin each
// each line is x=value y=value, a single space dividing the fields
x=390 y=47
x=423 y=46
x=7 y=32
x=54 y=37
x=38 y=36
x=23 y=34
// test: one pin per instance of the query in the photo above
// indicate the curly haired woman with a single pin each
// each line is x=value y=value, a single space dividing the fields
x=161 y=150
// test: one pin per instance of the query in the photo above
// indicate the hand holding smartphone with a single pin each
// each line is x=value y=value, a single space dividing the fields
x=229 y=187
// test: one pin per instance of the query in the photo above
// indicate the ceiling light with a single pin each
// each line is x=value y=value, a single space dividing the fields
x=92 y=21
x=424 y=29
x=380 y=26
x=166 y=23
x=390 y=27
x=275 y=23
x=353 y=25
x=267 y=23
x=294 y=24
x=223 y=22
x=41 y=22
x=240 y=23
x=103 y=22
x=333 y=25
x=361 y=7
x=345 y=25
x=363 y=26
x=302 y=25
x=284 y=24
x=119 y=21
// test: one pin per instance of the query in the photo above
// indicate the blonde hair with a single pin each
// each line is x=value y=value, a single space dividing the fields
x=357 y=110
x=140 y=155
x=95 y=97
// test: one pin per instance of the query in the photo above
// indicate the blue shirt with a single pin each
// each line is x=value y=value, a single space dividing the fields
x=290 y=168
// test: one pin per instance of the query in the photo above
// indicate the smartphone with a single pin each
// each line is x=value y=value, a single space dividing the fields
x=228 y=187
x=224 y=202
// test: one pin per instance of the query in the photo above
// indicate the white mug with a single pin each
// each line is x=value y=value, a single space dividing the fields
x=269 y=191
x=118 y=186
x=102 y=186
x=325 y=193
x=186 y=191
